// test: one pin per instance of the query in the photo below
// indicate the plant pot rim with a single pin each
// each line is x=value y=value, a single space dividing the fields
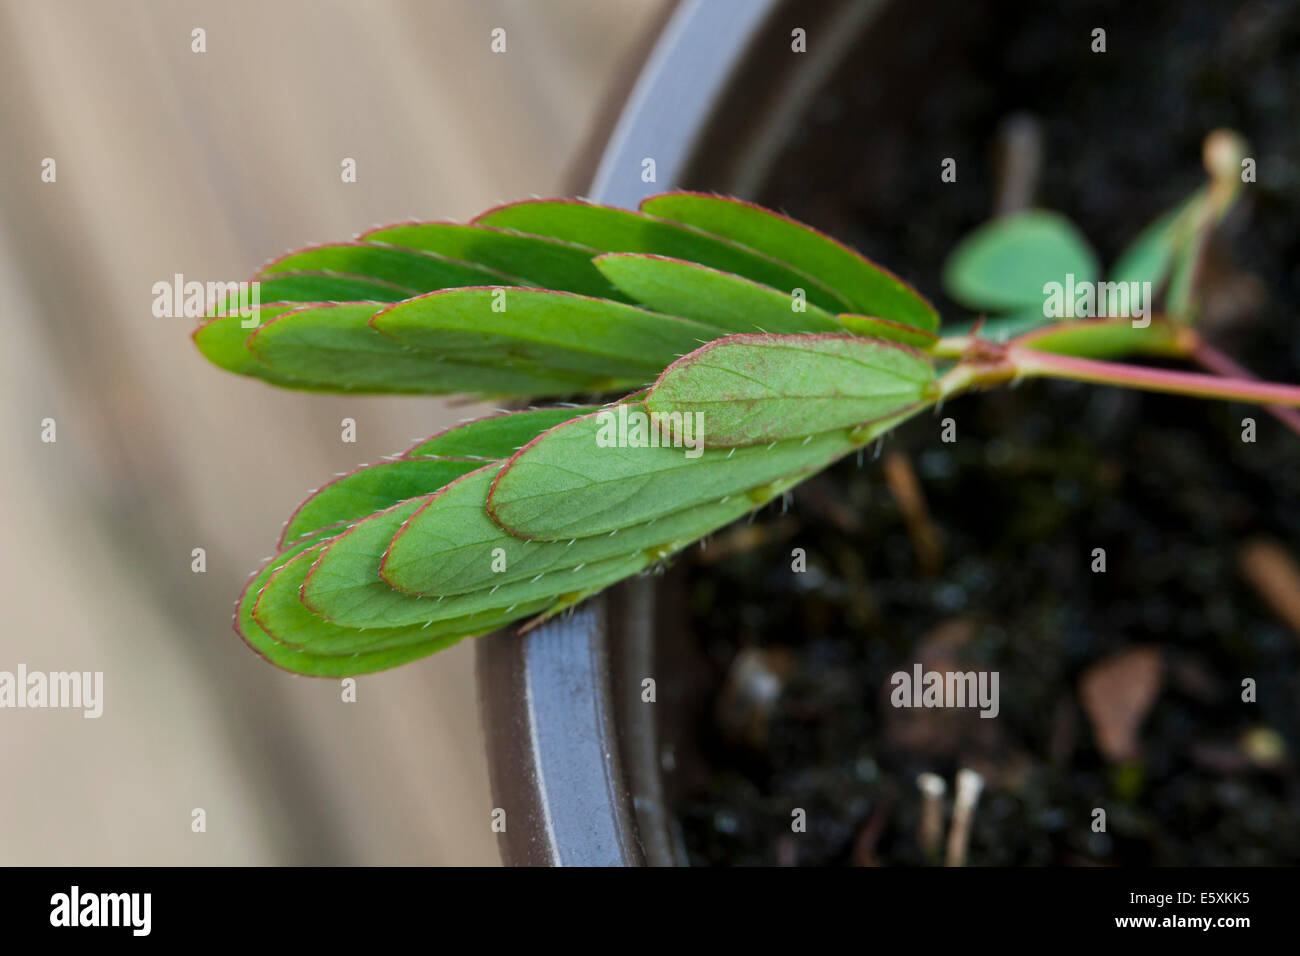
x=573 y=754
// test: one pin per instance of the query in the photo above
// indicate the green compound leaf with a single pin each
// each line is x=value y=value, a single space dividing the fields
x=344 y=584
x=401 y=559
x=409 y=270
x=728 y=302
x=527 y=260
x=372 y=488
x=750 y=389
x=1152 y=256
x=450 y=546
x=889 y=331
x=608 y=229
x=599 y=341
x=278 y=610
x=592 y=476
x=314 y=663
x=1004 y=264
x=333 y=345
x=345 y=597
x=866 y=287
x=497 y=436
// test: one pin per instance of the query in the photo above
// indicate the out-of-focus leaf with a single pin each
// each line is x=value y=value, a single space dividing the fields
x=1004 y=264
x=1116 y=694
x=867 y=287
x=1103 y=339
x=1151 y=256
x=726 y=301
x=750 y=389
x=1004 y=328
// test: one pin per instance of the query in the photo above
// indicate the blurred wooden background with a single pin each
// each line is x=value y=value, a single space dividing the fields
x=207 y=165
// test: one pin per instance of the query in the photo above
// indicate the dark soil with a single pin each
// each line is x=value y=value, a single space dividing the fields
x=1039 y=476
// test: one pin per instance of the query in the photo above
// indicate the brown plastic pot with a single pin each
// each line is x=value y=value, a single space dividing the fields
x=577 y=760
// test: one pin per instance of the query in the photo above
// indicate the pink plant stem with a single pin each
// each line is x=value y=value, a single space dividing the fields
x=1211 y=359
x=1027 y=362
